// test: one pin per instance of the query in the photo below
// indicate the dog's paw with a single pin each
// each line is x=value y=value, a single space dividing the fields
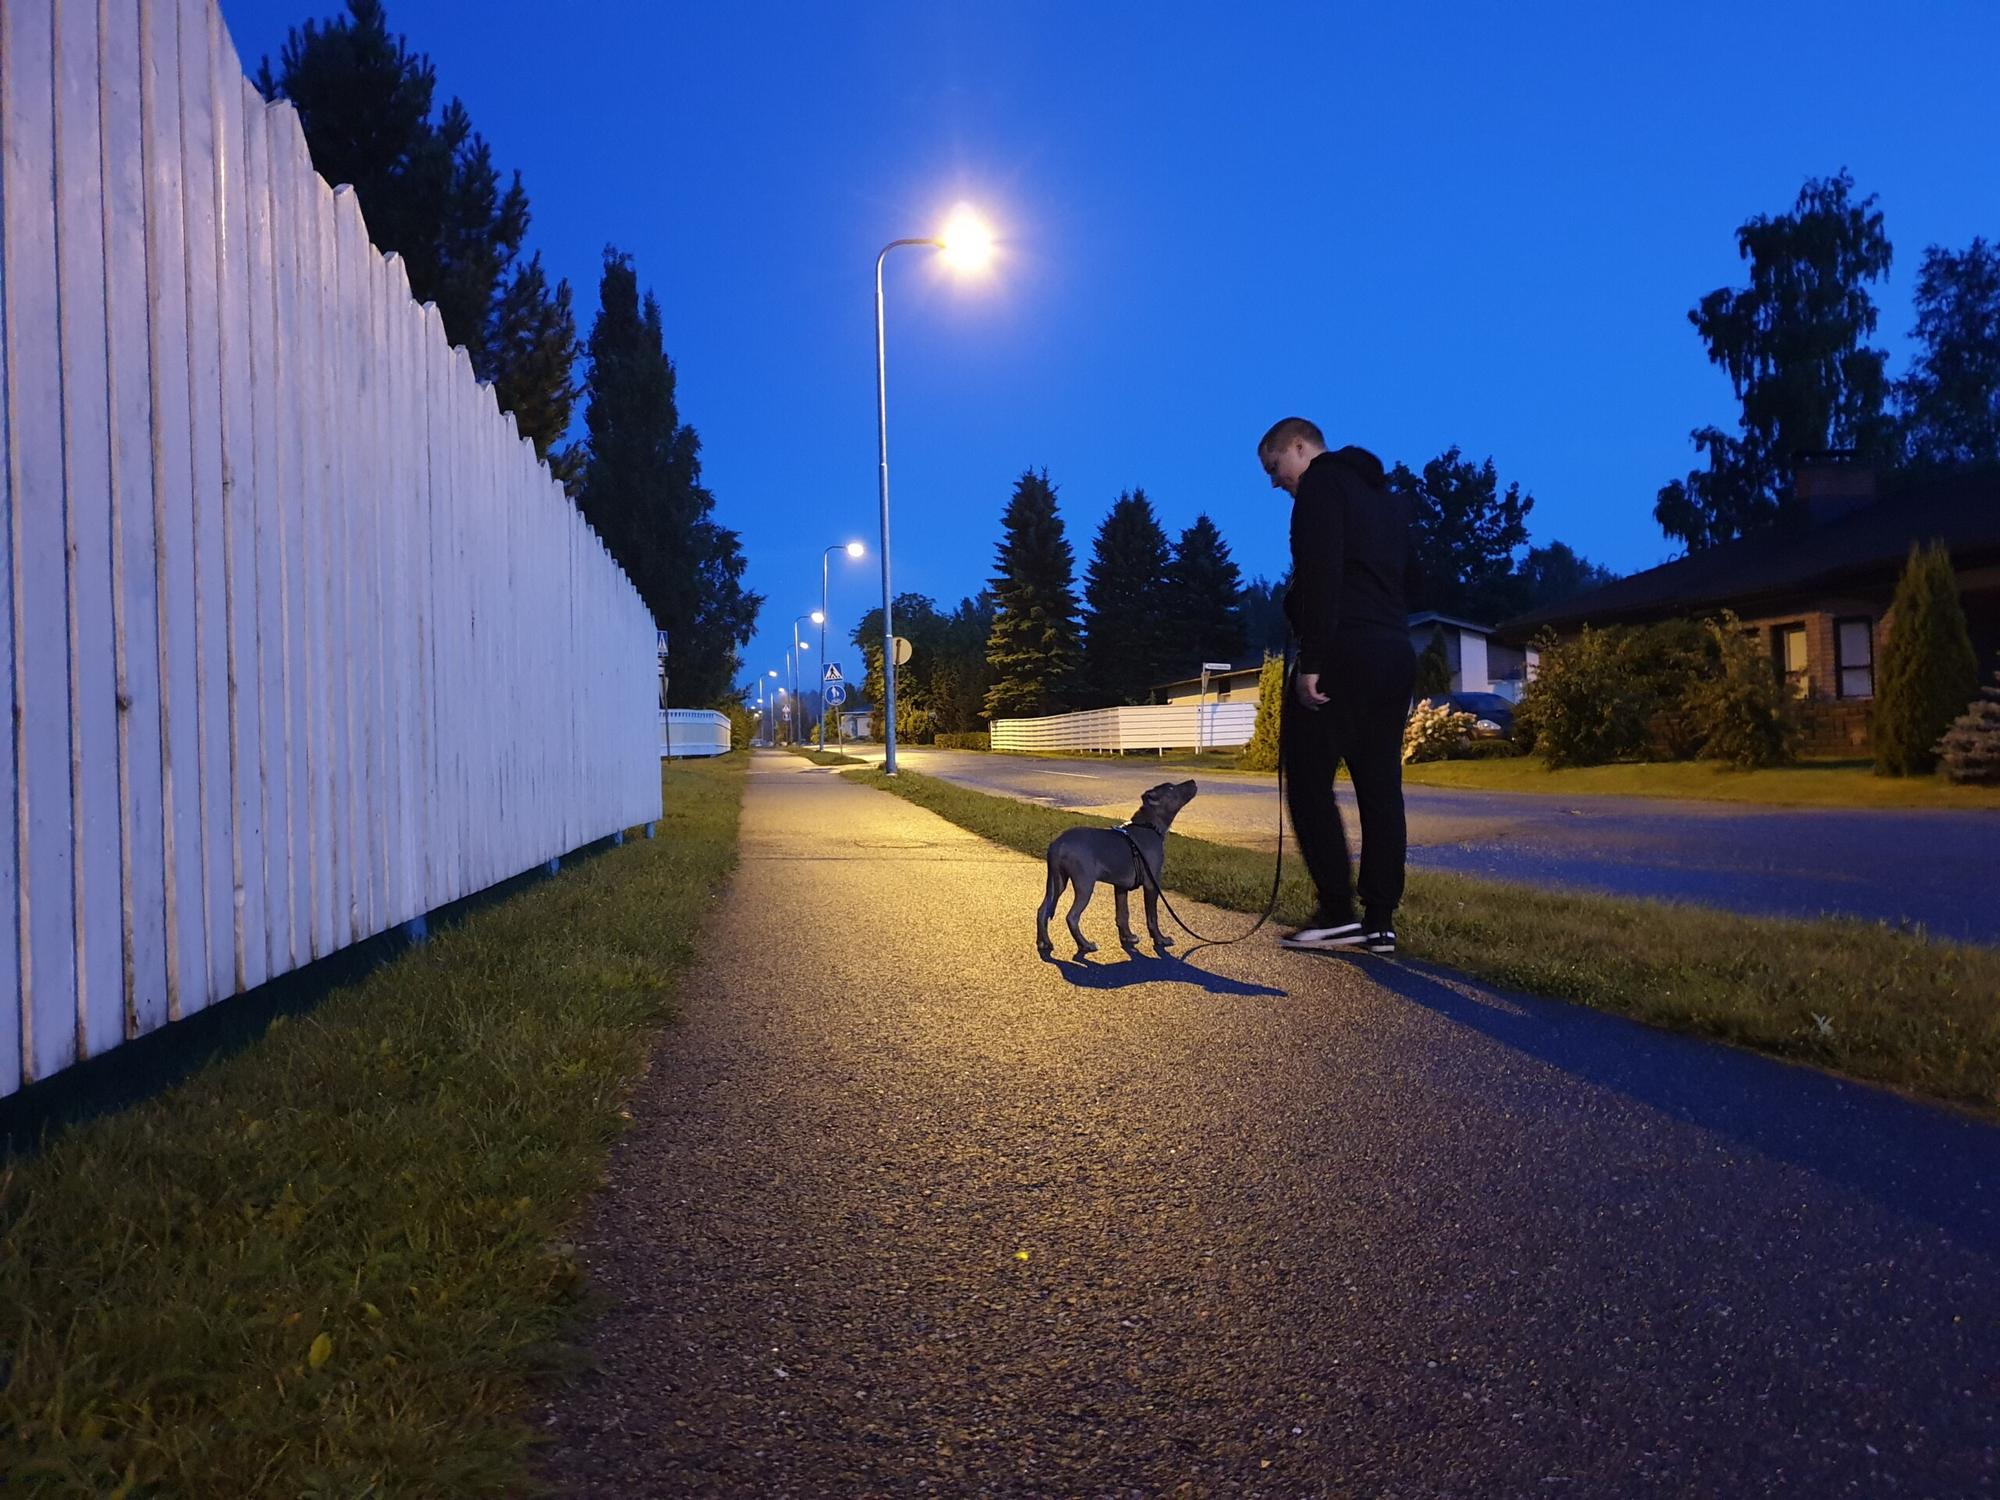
x=1162 y=941
x=1083 y=948
x=1129 y=943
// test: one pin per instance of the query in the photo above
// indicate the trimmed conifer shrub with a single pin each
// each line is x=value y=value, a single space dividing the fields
x=1928 y=671
x=1970 y=749
x=1261 y=754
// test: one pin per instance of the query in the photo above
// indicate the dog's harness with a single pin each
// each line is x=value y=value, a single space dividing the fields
x=1142 y=873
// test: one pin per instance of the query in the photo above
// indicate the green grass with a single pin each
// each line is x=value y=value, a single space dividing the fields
x=1898 y=1010
x=823 y=757
x=1809 y=783
x=332 y=1264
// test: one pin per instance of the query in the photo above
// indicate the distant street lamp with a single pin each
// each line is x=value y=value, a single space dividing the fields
x=853 y=549
x=798 y=663
x=968 y=245
x=770 y=725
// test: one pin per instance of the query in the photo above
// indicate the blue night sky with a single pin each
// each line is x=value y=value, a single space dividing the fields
x=1421 y=225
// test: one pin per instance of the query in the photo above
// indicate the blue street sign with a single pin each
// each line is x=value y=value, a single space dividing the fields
x=835 y=693
x=832 y=673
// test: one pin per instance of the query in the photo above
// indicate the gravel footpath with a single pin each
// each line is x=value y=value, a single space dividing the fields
x=906 y=1212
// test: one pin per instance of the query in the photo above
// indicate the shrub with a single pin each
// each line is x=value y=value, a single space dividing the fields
x=1669 y=691
x=1487 y=750
x=1928 y=671
x=1434 y=733
x=978 y=739
x=1970 y=749
x=742 y=725
x=1261 y=754
x=1741 y=709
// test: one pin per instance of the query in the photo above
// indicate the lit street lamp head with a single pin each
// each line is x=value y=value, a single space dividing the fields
x=967 y=242
x=818 y=618
x=855 y=549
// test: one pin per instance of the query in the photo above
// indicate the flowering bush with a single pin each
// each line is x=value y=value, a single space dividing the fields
x=1434 y=733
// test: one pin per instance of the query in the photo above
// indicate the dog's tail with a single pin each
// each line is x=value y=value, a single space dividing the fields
x=1052 y=888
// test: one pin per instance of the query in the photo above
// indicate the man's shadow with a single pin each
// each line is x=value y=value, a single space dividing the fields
x=1911 y=1158
x=1126 y=968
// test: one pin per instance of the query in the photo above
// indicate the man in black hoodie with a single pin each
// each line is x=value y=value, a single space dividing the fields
x=1349 y=694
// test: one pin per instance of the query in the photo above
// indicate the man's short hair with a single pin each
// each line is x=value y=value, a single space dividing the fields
x=1292 y=428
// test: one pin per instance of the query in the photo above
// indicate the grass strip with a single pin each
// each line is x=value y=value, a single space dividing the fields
x=332 y=1263
x=824 y=757
x=1853 y=997
x=1806 y=783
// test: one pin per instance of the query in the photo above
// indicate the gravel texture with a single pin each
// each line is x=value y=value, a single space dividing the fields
x=905 y=1211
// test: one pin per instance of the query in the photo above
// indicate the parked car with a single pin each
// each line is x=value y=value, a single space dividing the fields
x=1492 y=715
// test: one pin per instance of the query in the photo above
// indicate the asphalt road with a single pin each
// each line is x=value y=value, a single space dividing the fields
x=1937 y=870
x=904 y=1211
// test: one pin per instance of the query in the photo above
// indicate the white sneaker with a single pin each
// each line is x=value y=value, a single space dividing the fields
x=1322 y=934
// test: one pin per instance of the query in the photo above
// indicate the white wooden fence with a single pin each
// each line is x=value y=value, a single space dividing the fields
x=693 y=731
x=1219 y=726
x=301 y=640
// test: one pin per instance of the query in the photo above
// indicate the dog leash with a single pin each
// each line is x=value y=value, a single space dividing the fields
x=1277 y=869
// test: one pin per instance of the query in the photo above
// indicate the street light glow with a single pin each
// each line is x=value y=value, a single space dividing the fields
x=817 y=618
x=967 y=242
x=855 y=549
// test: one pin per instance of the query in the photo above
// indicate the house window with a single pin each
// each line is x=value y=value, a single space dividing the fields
x=1788 y=653
x=1854 y=656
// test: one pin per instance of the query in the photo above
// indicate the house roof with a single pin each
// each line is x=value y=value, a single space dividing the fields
x=1432 y=617
x=1255 y=664
x=1864 y=545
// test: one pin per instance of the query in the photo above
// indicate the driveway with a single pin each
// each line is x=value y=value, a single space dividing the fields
x=1936 y=870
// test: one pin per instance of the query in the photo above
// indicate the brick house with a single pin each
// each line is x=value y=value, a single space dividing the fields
x=1817 y=596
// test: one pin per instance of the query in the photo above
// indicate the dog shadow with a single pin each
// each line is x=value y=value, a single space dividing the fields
x=1145 y=968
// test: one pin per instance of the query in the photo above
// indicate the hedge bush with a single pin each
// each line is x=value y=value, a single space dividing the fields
x=1261 y=754
x=1435 y=733
x=977 y=739
x=1674 y=690
x=1487 y=750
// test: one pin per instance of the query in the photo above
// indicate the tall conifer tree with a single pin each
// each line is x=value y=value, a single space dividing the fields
x=1033 y=649
x=641 y=488
x=1127 y=646
x=1204 y=601
x=429 y=191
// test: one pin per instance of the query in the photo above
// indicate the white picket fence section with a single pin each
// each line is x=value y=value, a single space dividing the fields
x=1183 y=726
x=693 y=731
x=301 y=640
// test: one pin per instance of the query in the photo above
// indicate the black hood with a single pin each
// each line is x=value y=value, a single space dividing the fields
x=1363 y=463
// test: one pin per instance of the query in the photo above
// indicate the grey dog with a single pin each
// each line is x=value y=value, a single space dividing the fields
x=1080 y=857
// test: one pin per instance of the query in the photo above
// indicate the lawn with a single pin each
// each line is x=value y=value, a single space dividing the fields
x=1849 y=996
x=332 y=1264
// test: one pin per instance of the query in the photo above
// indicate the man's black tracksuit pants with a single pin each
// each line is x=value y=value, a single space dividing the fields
x=1368 y=678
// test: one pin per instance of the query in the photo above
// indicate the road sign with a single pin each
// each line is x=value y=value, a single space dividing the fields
x=835 y=693
x=902 y=650
x=832 y=673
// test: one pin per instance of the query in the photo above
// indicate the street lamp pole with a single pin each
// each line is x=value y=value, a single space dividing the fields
x=882 y=434
x=798 y=675
x=968 y=244
x=852 y=549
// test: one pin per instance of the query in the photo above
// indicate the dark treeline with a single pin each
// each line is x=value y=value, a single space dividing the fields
x=430 y=192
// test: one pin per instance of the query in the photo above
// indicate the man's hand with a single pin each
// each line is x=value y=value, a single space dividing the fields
x=1306 y=685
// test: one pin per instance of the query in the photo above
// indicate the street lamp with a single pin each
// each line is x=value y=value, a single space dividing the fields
x=770 y=724
x=853 y=549
x=967 y=246
x=798 y=671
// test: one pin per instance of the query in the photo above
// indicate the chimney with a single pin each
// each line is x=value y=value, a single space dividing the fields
x=1831 y=484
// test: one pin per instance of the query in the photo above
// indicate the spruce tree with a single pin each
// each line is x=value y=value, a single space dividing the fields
x=535 y=349
x=1033 y=649
x=430 y=193
x=1970 y=749
x=1928 y=671
x=640 y=486
x=1126 y=641
x=1204 y=601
